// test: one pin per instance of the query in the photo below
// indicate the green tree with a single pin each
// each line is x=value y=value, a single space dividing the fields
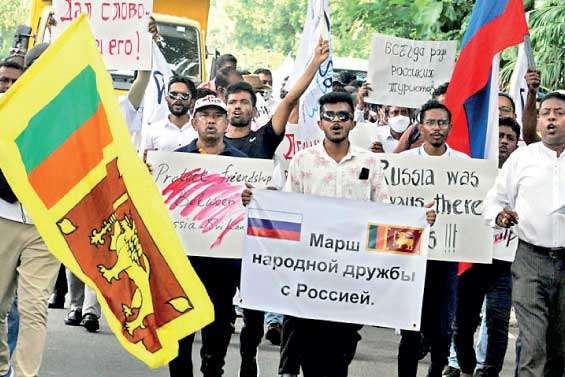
x=12 y=13
x=547 y=30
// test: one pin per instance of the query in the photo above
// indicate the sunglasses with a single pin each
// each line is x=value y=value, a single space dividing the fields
x=340 y=116
x=179 y=95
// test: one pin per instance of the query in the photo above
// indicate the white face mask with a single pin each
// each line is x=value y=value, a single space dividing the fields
x=399 y=123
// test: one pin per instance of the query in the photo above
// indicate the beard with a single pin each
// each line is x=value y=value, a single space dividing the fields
x=242 y=121
x=178 y=112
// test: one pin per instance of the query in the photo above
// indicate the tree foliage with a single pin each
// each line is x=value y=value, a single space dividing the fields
x=12 y=13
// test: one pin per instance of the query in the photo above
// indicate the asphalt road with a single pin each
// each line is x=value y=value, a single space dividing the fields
x=71 y=351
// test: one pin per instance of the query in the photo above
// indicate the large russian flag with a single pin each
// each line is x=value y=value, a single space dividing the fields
x=472 y=95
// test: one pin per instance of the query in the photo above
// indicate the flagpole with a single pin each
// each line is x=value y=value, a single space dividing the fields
x=529 y=52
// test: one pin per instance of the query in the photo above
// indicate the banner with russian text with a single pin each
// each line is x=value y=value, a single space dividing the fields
x=120 y=28
x=66 y=153
x=457 y=188
x=404 y=72
x=335 y=259
x=203 y=195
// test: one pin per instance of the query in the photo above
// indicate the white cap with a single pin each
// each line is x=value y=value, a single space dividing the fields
x=210 y=101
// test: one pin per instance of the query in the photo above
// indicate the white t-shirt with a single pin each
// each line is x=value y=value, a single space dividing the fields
x=165 y=136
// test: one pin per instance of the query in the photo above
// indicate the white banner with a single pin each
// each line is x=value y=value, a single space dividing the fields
x=317 y=25
x=292 y=145
x=120 y=29
x=203 y=195
x=505 y=245
x=405 y=72
x=457 y=188
x=518 y=85
x=335 y=259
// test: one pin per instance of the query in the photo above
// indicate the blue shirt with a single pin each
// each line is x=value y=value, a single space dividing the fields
x=228 y=149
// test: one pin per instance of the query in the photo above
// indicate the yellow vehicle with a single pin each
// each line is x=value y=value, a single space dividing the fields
x=182 y=25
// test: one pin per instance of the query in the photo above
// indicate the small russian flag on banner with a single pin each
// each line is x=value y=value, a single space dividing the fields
x=274 y=224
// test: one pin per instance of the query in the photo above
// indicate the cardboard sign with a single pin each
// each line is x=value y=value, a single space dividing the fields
x=405 y=72
x=203 y=195
x=120 y=29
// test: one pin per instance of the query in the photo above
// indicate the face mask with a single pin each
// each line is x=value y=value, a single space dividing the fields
x=399 y=123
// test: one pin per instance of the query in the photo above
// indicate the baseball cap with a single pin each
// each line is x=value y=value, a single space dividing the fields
x=210 y=101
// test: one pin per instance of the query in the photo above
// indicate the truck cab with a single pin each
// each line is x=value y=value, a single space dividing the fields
x=182 y=25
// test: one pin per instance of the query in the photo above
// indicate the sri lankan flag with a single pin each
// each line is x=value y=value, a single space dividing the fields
x=65 y=151
x=394 y=239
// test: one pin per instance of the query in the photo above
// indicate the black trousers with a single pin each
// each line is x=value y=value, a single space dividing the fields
x=437 y=317
x=221 y=277
x=494 y=282
x=321 y=348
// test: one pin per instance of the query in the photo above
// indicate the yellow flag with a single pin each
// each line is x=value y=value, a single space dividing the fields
x=65 y=150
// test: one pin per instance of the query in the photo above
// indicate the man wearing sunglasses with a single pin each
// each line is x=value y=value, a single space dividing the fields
x=334 y=168
x=176 y=130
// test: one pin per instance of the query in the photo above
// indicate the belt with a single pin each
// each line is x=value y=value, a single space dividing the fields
x=552 y=252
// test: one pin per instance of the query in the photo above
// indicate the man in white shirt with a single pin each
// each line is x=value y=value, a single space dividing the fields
x=176 y=130
x=441 y=277
x=529 y=193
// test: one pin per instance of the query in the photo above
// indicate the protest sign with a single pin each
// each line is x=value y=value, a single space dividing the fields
x=365 y=134
x=316 y=26
x=457 y=188
x=505 y=245
x=119 y=27
x=203 y=196
x=291 y=145
x=405 y=72
x=365 y=263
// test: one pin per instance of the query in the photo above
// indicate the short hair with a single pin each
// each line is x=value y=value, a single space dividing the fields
x=440 y=90
x=6 y=63
x=205 y=92
x=432 y=105
x=512 y=123
x=263 y=71
x=223 y=76
x=557 y=95
x=242 y=87
x=186 y=81
x=505 y=95
x=225 y=58
x=336 y=97
x=346 y=77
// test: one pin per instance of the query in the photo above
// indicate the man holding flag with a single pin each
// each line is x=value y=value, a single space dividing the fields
x=67 y=156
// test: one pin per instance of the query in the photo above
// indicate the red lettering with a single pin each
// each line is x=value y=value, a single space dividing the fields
x=106 y=17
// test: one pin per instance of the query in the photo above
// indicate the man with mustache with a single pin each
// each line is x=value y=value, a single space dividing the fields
x=176 y=130
x=529 y=193
x=441 y=277
x=220 y=276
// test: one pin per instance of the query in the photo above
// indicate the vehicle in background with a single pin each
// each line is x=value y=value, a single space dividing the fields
x=358 y=67
x=182 y=24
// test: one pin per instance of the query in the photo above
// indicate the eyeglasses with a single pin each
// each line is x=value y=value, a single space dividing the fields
x=505 y=109
x=267 y=82
x=179 y=95
x=442 y=123
x=340 y=116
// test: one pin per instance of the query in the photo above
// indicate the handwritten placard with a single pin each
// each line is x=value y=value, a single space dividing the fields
x=292 y=145
x=120 y=29
x=457 y=188
x=203 y=195
x=405 y=72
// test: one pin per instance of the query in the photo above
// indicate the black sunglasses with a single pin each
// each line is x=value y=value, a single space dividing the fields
x=179 y=95
x=340 y=116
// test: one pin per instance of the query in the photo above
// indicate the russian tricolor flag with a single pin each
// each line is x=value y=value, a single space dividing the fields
x=274 y=224
x=472 y=95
